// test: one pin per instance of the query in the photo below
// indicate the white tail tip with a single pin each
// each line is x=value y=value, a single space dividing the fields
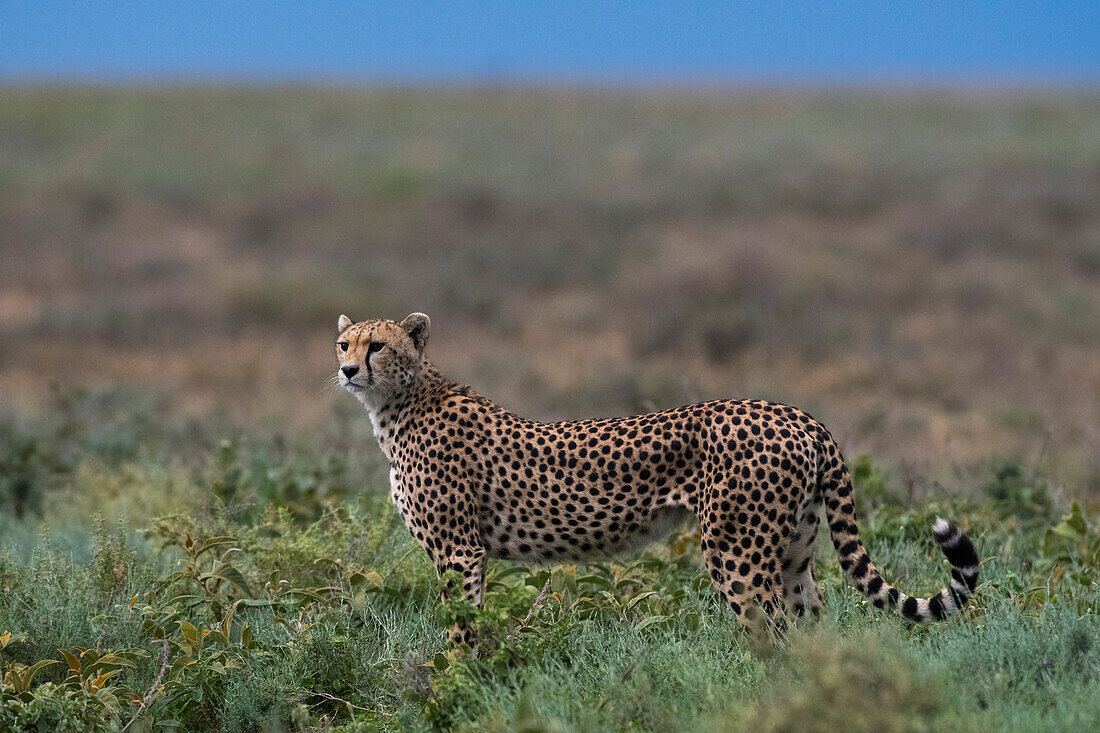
x=940 y=526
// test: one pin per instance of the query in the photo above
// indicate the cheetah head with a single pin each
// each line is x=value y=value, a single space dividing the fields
x=379 y=358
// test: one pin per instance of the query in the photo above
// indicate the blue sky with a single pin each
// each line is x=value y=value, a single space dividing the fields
x=1001 y=43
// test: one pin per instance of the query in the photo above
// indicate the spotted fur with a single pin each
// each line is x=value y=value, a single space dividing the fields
x=472 y=480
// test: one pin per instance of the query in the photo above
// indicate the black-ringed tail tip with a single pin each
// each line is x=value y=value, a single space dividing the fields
x=863 y=575
x=960 y=553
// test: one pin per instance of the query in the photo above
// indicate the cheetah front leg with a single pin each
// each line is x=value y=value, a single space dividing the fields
x=469 y=563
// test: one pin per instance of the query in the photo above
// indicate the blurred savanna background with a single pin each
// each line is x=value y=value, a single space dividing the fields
x=921 y=270
x=887 y=216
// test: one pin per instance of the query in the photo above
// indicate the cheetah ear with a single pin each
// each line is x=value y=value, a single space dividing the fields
x=343 y=323
x=417 y=325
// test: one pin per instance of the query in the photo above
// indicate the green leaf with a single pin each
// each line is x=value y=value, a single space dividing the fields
x=228 y=573
x=502 y=573
x=74 y=663
x=106 y=662
x=29 y=673
x=217 y=637
x=312 y=593
x=1076 y=521
x=649 y=621
x=371 y=576
x=639 y=598
x=190 y=634
x=181 y=663
x=213 y=542
x=595 y=580
x=189 y=598
x=7 y=637
x=101 y=680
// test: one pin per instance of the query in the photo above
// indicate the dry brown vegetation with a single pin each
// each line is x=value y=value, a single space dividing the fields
x=920 y=271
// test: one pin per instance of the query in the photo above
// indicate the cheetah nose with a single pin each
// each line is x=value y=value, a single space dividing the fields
x=350 y=371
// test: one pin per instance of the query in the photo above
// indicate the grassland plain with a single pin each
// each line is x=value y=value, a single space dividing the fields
x=919 y=270
x=193 y=534
x=264 y=586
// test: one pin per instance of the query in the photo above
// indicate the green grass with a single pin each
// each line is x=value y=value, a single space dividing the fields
x=919 y=270
x=289 y=597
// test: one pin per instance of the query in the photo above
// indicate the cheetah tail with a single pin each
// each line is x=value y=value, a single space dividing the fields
x=836 y=488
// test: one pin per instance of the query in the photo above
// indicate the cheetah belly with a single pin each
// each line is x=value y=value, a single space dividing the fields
x=519 y=539
x=656 y=527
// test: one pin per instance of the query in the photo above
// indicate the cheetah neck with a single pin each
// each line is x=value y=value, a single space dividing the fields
x=390 y=412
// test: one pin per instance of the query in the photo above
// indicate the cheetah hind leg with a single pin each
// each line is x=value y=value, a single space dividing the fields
x=799 y=584
x=755 y=595
x=801 y=590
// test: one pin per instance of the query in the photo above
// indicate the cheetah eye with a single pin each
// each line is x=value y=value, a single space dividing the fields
x=375 y=346
x=343 y=345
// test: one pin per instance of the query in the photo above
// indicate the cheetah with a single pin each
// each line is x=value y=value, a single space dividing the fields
x=473 y=481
